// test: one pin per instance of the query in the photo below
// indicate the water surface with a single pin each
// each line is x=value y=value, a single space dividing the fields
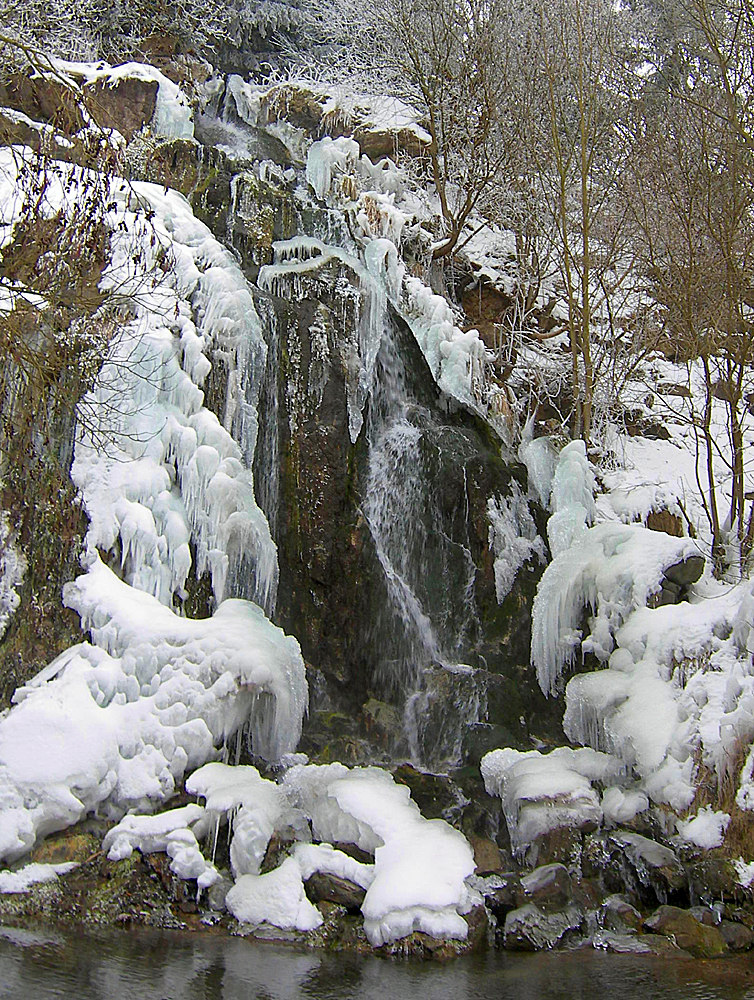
x=144 y=965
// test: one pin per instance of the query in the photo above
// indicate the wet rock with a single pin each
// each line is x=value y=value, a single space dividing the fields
x=665 y=521
x=216 y=894
x=530 y=929
x=561 y=846
x=486 y=854
x=705 y=915
x=501 y=893
x=618 y=915
x=681 y=925
x=736 y=936
x=548 y=887
x=437 y=795
x=620 y=943
x=713 y=878
x=355 y=852
x=43 y=99
x=322 y=887
x=651 y=867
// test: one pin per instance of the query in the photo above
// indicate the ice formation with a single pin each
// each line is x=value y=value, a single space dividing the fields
x=114 y=724
x=456 y=358
x=156 y=468
x=543 y=792
x=419 y=865
x=611 y=569
x=676 y=681
x=255 y=807
x=12 y=569
x=304 y=258
x=513 y=538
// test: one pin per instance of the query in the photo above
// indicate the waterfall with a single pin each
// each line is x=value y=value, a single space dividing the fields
x=429 y=577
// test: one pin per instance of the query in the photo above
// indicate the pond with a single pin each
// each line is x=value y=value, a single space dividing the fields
x=144 y=965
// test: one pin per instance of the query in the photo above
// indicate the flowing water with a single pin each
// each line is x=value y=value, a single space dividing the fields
x=172 y=966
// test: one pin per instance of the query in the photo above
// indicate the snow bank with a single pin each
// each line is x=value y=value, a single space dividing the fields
x=419 y=865
x=543 y=792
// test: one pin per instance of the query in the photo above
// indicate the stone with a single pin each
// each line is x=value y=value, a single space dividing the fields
x=548 y=887
x=501 y=892
x=127 y=106
x=216 y=894
x=560 y=846
x=323 y=887
x=713 y=878
x=618 y=915
x=686 y=572
x=736 y=936
x=698 y=939
x=486 y=854
x=665 y=521
x=619 y=943
x=653 y=866
x=530 y=929
x=705 y=915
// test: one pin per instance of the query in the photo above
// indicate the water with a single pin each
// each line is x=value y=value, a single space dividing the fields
x=147 y=965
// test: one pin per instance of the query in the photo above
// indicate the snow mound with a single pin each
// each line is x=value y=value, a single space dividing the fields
x=543 y=792
x=255 y=807
x=276 y=898
x=115 y=726
x=32 y=874
x=706 y=829
x=419 y=865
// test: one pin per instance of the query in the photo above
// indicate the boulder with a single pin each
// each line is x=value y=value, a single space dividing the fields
x=682 y=926
x=322 y=887
x=486 y=854
x=650 y=865
x=618 y=915
x=686 y=572
x=736 y=936
x=128 y=105
x=548 y=887
x=530 y=929
x=501 y=892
